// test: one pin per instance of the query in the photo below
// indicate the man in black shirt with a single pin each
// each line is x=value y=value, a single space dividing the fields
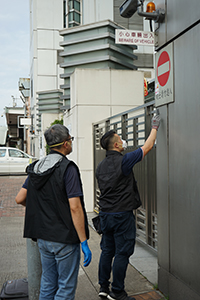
x=119 y=196
x=56 y=217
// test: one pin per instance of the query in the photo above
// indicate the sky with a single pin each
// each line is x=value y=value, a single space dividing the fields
x=14 y=50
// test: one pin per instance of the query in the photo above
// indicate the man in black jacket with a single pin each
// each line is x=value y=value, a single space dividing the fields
x=119 y=196
x=55 y=216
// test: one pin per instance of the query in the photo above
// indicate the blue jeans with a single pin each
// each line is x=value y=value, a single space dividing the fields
x=60 y=266
x=118 y=241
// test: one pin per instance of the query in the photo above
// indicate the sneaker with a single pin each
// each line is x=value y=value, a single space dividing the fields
x=103 y=292
x=121 y=296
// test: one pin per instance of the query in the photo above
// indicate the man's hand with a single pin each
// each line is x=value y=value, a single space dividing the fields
x=148 y=145
x=155 y=122
x=87 y=253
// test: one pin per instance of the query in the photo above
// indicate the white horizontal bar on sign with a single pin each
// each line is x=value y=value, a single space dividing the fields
x=164 y=68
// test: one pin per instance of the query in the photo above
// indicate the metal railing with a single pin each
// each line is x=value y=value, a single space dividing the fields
x=134 y=126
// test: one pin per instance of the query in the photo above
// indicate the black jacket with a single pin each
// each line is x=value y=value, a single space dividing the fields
x=118 y=192
x=48 y=214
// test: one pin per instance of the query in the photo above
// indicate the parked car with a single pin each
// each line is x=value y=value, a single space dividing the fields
x=14 y=161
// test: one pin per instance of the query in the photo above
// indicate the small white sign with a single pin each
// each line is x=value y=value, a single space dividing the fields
x=134 y=37
x=156 y=88
x=25 y=121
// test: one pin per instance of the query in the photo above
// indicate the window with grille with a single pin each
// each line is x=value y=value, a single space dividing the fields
x=72 y=13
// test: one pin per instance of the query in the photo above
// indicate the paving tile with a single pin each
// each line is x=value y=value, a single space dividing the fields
x=138 y=297
x=9 y=187
x=14 y=246
x=155 y=295
x=149 y=296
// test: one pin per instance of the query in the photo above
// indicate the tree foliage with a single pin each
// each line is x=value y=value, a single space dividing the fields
x=57 y=121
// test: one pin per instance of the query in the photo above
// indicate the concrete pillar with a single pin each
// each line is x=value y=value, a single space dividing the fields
x=34 y=269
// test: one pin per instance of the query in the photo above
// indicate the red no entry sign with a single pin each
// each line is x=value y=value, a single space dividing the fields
x=164 y=78
x=163 y=68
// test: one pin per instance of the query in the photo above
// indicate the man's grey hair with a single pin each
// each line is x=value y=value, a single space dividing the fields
x=56 y=134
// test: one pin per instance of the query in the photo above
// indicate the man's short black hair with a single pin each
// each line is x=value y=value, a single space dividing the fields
x=106 y=139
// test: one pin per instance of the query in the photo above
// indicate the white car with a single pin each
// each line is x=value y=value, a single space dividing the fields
x=14 y=161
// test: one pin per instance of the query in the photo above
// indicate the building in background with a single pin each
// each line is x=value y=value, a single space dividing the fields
x=15 y=137
x=47 y=19
x=25 y=122
x=18 y=120
x=3 y=135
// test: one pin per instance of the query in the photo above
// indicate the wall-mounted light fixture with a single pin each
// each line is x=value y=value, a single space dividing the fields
x=129 y=7
x=152 y=13
x=151 y=7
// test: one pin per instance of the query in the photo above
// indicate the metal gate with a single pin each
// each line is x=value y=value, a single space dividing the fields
x=134 y=126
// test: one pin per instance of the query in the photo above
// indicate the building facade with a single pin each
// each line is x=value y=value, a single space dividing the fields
x=178 y=165
x=47 y=18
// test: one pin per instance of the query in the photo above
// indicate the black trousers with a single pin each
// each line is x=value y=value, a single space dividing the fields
x=118 y=241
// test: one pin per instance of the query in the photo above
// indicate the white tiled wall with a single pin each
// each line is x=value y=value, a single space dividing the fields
x=96 y=95
x=46 y=18
x=45 y=39
x=52 y=10
x=45 y=83
x=98 y=10
x=47 y=60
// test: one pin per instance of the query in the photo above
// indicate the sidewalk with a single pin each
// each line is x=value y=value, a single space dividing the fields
x=13 y=260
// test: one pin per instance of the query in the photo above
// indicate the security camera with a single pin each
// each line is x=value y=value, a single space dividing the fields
x=128 y=8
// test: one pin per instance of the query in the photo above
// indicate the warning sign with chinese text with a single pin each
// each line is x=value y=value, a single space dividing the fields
x=134 y=37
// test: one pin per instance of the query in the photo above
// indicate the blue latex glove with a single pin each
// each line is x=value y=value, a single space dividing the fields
x=87 y=253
